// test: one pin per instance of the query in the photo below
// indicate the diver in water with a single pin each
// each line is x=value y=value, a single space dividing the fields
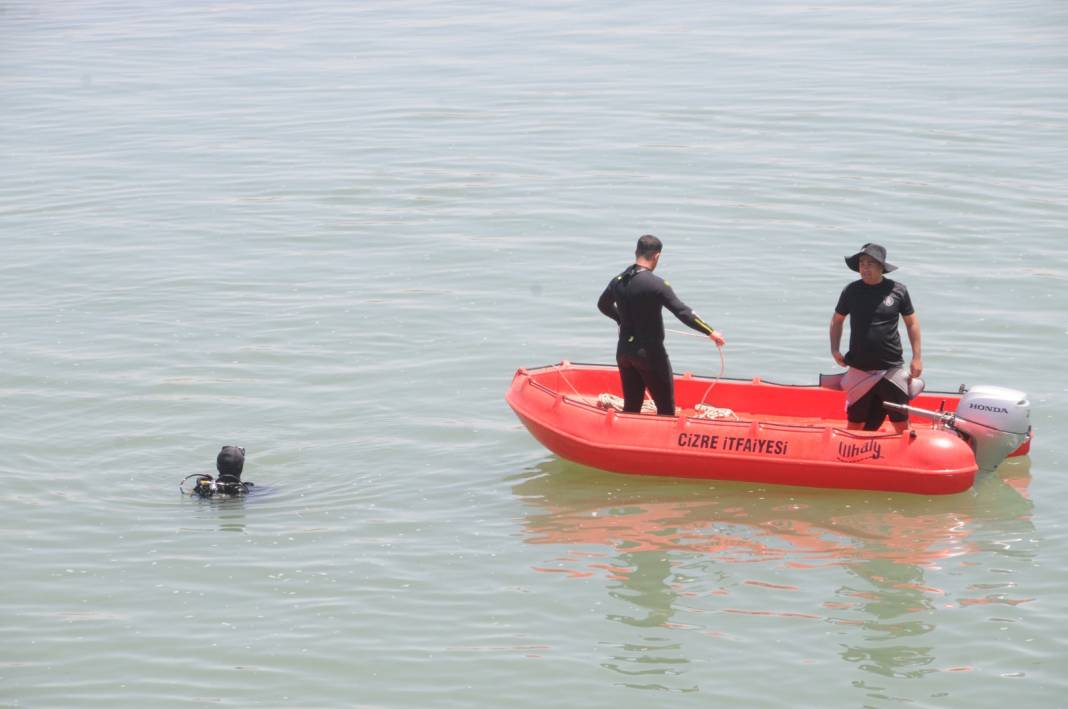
x=229 y=463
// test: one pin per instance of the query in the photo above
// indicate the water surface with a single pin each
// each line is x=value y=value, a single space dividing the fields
x=330 y=232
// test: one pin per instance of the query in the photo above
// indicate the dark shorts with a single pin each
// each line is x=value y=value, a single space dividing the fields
x=869 y=410
x=646 y=368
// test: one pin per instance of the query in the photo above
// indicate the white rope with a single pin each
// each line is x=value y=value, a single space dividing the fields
x=683 y=332
x=703 y=411
x=722 y=364
x=722 y=369
x=584 y=399
x=609 y=401
x=612 y=402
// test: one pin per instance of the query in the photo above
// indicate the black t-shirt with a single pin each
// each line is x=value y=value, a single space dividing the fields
x=874 y=342
x=634 y=299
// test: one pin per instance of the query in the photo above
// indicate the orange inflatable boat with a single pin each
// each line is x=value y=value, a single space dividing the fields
x=769 y=433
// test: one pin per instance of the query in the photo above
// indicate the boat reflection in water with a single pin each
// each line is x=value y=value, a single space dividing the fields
x=709 y=557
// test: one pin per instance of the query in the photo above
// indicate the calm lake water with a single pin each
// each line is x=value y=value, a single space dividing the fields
x=331 y=231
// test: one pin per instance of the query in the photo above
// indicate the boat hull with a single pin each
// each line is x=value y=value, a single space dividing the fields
x=785 y=435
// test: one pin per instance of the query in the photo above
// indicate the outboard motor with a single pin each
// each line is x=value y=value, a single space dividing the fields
x=994 y=421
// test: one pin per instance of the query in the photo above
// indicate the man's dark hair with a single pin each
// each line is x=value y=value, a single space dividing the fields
x=648 y=245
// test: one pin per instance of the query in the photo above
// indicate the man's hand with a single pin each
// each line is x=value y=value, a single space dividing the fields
x=837 y=322
x=717 y=338
x=916 y=367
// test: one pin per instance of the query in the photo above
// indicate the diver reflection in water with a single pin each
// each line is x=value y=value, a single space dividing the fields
x=229 y=463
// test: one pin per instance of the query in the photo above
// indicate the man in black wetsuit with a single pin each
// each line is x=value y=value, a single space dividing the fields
x=876 y=367
x=634 y=299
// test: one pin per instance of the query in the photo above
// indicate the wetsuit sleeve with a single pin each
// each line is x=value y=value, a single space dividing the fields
x=607 y=304
x=906 y=302
x=682 y=311
x=843 y=303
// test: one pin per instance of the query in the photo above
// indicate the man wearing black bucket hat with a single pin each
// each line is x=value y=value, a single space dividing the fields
x=877 y=372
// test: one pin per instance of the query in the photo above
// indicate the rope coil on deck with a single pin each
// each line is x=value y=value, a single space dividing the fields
x=702 y=410
x=610 y=402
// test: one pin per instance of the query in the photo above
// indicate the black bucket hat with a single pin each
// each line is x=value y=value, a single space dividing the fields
x=230 y=461
x=876 y=252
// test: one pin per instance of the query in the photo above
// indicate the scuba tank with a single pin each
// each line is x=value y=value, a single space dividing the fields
x=207 y=486
x=230 y=462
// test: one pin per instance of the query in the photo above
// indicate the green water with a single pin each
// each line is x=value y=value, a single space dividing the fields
x=331 y=232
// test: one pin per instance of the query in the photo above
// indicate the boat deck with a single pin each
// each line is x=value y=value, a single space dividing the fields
x=771 y=418
x=814 y=421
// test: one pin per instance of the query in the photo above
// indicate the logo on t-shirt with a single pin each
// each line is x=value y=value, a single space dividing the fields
x=888 y=301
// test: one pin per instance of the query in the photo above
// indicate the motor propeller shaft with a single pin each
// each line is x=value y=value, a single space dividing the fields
x=943 y=417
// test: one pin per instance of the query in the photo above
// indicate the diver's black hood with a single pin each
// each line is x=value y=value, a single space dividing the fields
x=230 y=462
